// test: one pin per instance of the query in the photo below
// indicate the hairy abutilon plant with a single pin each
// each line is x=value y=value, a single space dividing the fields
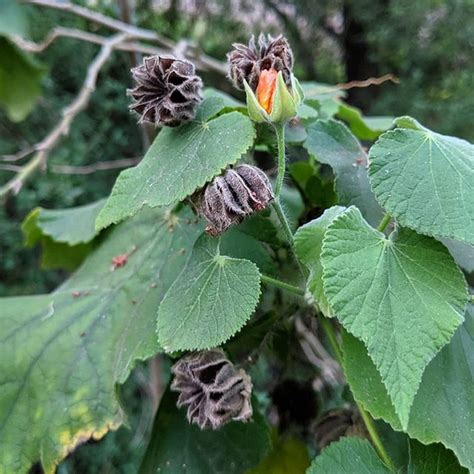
x=166 y=91
x=212 y=389
x=337 y=295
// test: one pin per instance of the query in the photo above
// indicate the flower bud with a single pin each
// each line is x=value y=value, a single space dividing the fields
x=237 y=193
x=167 y=91
x=212 y=389
x=275 y=102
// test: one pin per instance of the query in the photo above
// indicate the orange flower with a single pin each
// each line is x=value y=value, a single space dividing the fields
x=266 y=89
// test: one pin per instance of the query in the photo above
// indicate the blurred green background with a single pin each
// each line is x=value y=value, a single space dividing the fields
x=427 y=44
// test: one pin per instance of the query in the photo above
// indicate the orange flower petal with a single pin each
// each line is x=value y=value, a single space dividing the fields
x=266 y=89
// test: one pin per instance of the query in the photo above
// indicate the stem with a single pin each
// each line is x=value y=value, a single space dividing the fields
x=283 y=221
x=282 y=285
x=368 y=421
x=280 y=133
x=384 y=222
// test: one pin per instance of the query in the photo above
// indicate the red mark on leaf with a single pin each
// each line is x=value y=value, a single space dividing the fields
x=119 y=261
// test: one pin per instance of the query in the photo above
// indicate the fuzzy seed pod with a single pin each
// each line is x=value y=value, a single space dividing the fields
x=166 y=91
x=237 y=193
x=212 y=389
x=247 y=62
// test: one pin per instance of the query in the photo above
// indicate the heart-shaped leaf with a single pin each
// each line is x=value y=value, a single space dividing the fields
x=179 y=161
x=425 y=180
x=403 y=296
x=210 y=301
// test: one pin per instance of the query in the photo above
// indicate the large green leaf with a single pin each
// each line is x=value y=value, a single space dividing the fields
x=443 y=408
x=20 y=80
x=13 y=20
x=62 y=354
x=308 y=245
x=65 y=235
x=348 y=456
x=72 y=226
x=332 y=143
x=402 y=295
x=178 y=447
x=210 y=301
x=425 y=180
x=179 y=161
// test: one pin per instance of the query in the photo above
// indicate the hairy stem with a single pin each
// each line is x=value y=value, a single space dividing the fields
x=283 y=221
x=280 y=134
x=281 y=284
x=384 y=222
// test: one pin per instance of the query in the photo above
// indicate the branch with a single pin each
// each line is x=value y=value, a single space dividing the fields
x=99 y=166
x=61 y=32
x=43 y=148
x=202 y=61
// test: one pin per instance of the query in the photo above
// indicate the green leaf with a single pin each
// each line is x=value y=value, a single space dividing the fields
x=288 y=456
x=364 y=128
x=210 y=300
x=179 y=447
x=65 y=235
x=332 y=143
x=20 y=81
x=348 y=456
x=443 y=408
x=433 y=459
x=425 y=180
x=179 y=161
x=62 y=354
x=308 y=245
x=72 y=226
x=402 y=295
x=13 y=20
x=229 y=101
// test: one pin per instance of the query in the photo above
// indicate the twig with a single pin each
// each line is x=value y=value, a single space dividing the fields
x=18 y=156
x=8 y=167
x=61 y=32
x=371 y=81
x=99 y=166
x=69 y=113
x=202 y=61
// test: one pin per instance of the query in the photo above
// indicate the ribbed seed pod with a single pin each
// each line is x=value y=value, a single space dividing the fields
x=247 y=61
x=212 y=389
x=237 y=193
x=166 y=91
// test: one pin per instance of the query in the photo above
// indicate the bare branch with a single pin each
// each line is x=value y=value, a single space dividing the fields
x=371 y=81
x=61 y=32
x=99 y=166
x=202 y=61
x=69 y=113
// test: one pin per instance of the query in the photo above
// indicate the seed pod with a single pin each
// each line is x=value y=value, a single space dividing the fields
x=230 y=197
x=247 y=62
x=166 y=92
x=212 y=389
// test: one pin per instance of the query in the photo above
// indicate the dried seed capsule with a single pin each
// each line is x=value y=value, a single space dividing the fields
x=237 y=193
x=247 y=62
x=166 y=92
x=212 y=389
